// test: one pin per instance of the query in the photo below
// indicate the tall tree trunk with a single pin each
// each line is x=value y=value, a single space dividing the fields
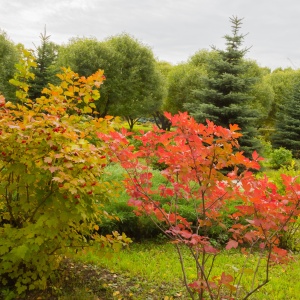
x=131 y=121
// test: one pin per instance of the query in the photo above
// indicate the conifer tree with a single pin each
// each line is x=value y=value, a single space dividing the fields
x=46 y=55
x=226 y=99
x=287 y=127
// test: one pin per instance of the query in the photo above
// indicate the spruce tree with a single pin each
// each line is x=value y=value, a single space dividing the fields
x=287 y=126
x=46 y=70
x=226 y=99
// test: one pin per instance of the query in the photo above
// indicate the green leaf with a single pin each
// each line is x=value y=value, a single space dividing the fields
x=4 y=249
x=20 y=251
x=117 y=247
x=39 y=240
x=30 y=178
x=51 y=222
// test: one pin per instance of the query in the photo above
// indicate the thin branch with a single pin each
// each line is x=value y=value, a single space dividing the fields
x=183 y=271
x=51 y=192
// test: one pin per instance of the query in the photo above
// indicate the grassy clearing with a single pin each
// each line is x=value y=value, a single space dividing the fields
x=139 y=126
x=148 y=274
x=150 y=271
x=154 y=272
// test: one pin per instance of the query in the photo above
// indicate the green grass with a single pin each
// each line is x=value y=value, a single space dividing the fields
x=156 y=268
x=151 y=271
x=139 y=126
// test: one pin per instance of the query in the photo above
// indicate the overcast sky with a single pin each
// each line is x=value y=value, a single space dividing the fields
x=174 y=29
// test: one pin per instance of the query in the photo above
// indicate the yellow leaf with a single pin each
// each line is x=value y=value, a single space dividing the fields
x=67 y=93
x=86 y=98
x=87 y=110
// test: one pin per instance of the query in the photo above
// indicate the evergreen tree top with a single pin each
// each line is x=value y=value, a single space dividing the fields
x=233 y=53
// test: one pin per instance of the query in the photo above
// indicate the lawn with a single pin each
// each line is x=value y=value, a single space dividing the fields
x=151 y=270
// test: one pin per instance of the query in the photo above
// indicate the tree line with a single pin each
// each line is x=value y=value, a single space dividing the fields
x=220 y=85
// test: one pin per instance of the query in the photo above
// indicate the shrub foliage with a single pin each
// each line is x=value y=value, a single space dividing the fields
x=205 y=170
x=50 y=193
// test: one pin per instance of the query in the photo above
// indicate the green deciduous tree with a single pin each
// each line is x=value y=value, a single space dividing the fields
x=164 y=67
x=9 y=56
x=262 y=93
x=85 y=56
x=133 y=86
x=183 y=79
x=203 y=58
x=161 y=121
x=140 y=82
x=282 y=83
x=226 y=98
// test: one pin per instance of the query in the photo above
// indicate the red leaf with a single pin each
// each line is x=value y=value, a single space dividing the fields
x=279 y=251
x=232 y=244
x=210 y=249
x=256 y=157
x=186 y=234
x=225 y=279
x=250 y=236
x=262 y=245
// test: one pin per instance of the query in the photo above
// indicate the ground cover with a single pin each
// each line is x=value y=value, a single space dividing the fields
x=158 y=265
x=150 y=271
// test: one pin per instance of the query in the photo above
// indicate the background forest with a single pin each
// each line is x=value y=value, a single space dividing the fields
x=214 y=84
x=204 y=153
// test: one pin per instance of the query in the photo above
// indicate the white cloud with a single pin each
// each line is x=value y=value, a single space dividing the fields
x=173 y=29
